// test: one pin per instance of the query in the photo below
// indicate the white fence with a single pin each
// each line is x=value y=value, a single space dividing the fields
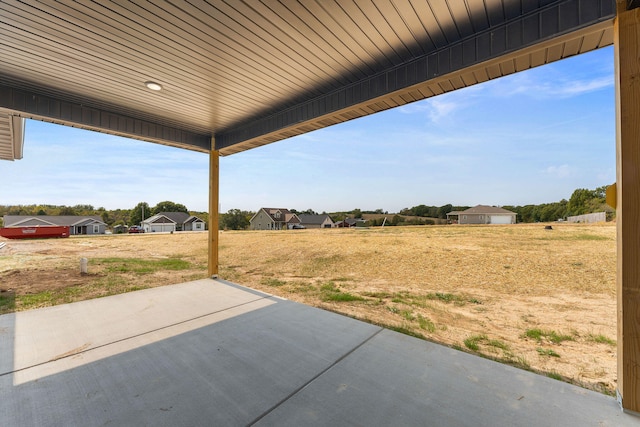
x=589 y=218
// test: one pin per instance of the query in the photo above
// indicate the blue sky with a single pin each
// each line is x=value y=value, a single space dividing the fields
x=529 y=138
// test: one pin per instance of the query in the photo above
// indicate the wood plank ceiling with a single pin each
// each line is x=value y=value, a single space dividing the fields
x=248 y=73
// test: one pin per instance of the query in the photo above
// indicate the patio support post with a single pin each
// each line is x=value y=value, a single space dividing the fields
x=627 y=72
x=214 y=197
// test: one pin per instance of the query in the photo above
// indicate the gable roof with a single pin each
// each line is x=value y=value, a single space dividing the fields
x=193 y=218
x=313 y=219
x=158 y=219
x=70 y=220
x=286 y=215
x=171 y=217
x=177 y=217
x=484 y=209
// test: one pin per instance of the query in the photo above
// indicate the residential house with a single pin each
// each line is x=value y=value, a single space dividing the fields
x=172 y=221
x=316 y=221
x=274 y=219
x=482 y=214
x=351 y=222
x=77 y=224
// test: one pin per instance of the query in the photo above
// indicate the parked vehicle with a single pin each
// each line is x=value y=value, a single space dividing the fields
x=136 y=229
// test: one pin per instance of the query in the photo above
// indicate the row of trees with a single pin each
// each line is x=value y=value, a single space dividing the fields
x=432 y=211
x=582 y=201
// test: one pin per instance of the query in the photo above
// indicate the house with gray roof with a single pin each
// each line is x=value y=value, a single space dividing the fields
x=172 y=221
x=274 y=219
x=316 y=221
x=482 y=214
x=78 y=224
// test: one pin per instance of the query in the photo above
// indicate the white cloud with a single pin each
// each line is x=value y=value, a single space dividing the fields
x=441 y=109
x=584 y=86
x=414 y=107
x=550 y=85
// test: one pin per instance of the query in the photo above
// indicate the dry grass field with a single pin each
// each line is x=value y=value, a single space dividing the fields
x=543 y=300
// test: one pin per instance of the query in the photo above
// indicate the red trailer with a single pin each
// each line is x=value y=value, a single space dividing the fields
x=37 y=232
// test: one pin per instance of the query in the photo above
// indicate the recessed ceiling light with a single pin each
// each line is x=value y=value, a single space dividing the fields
x=153 y=85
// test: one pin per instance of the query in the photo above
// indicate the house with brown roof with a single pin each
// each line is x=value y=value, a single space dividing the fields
x=482 y=214
x=273 y=219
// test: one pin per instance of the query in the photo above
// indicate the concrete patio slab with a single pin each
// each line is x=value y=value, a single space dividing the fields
x=213 y=353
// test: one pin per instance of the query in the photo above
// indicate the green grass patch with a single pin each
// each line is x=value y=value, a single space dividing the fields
x=552 y=336
x=555 y=375
x=381 y=295
x=590 y=237
x=473 y=342
x=498 y=344
x=407 y=298
x=601 y=339
x=535 y=334
x=445 y=297
x=547 y=352
x=521 y=362
x=331 y=292
x=41 y=299
x=408 y=315
x=59 y=296
x=303 y=287
x=7 y=302
x=142 y=266
x=575 y=237
x=426 y=324
x=342 y=297
x=273 y=282
x=451 y=298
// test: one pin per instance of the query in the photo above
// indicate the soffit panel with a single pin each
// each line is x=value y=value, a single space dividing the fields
x=250 y=72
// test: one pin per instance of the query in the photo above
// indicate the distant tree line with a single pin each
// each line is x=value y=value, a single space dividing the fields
x=432 y=211
x=582 y=201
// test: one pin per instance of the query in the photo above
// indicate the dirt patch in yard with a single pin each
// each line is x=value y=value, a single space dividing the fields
x=539 y=299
